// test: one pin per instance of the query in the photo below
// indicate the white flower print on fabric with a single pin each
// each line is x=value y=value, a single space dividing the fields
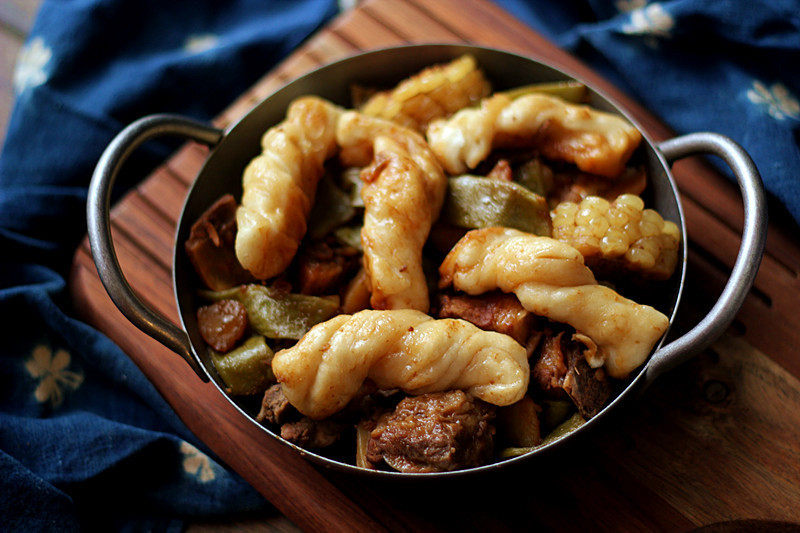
x=198 y=43
x=650 y=21
x=776 y=100
x=51 y=371
x=31 y=62
x=196 y=463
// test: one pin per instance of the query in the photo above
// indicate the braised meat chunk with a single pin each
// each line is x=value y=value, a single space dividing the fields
x=322 y=268
x=275 y=407
x=222 y=324
x=210 y=246
x=436 y=432
x=550 y=369
x=561 y=369
x=313 y=434
x=493 y=312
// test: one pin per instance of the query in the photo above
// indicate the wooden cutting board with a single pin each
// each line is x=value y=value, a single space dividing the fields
x=715 y=440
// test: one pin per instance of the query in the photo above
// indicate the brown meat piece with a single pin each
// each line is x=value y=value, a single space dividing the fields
x=275 y=407
x=492 y=311
x=222 y=324
x=587 y=387
x=436 y=432
x=210 y=246
x=443 y=237
x=312 y=434
x=501 y=171
x=550 y=369
x=322 y=269
x=561 y=369
x=574 y=187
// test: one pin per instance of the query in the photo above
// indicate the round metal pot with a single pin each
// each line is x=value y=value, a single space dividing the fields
x=232 y=149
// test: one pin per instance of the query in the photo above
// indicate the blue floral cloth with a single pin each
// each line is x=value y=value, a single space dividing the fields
x=85 y=440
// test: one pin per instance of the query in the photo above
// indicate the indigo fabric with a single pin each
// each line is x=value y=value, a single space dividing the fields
x=85 y=440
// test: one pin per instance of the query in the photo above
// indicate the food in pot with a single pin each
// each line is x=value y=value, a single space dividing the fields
x=210 y=246
x=478 y=202
x=436 y=92
x=352 y=227
x=561 y=370
x=492 y=312
x=436 y=432
x=518 y=424
x=401 y=202
x=279 y=186
x=400 y=349
x=595 y=141
x=551 y=280
x=323 y=266
x=222 y=324
x=621 y=232
x=245 y=370
x=278 y=314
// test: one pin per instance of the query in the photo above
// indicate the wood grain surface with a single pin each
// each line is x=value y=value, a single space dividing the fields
x=16 y=20
x=715 y=440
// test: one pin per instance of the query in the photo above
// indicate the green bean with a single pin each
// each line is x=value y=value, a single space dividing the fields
x=349 y=235
x=246 y=369
x=555 y=412
x=332 y=208
x=476 y=202
x=564 y=429
x=573 y=423
x=571 y=90
x=279 y=315
x=352 y=184
x=535 y=176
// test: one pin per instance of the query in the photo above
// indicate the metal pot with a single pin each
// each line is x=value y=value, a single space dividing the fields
x=234 y=148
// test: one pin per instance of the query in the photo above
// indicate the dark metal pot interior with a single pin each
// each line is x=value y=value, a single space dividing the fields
x=223 y=169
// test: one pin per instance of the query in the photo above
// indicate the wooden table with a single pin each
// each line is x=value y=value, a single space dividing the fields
x=16 y=20
x=716 y=440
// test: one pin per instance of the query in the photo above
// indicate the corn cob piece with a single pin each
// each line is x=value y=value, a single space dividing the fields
x=619 y=234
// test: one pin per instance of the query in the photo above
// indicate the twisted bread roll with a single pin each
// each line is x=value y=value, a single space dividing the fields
x=279 y=186
x=403 y=195
x=595 y=141
x=398 y=349
x=401 y=203
x=550 y=280
x=433 y=93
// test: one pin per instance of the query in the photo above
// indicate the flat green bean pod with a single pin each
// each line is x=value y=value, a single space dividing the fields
x=332 y=208
x=572 y=423
x=349 y=235
x=536 y=176
x=555 y=412
x=476 y=202
x=246 y=369
x=279 y=315
x=570 y=90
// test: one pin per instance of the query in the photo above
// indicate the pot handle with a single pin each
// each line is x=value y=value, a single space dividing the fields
x=99 y=225
x=744 y=270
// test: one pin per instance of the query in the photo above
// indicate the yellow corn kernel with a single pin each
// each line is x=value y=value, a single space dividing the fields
x=622 y=234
